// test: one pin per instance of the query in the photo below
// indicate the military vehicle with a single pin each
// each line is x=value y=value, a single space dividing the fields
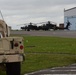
x=11 y=50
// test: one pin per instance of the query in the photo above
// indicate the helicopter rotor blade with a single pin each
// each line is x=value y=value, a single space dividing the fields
x=26 y=24
x=41 y=23
x=21 y=24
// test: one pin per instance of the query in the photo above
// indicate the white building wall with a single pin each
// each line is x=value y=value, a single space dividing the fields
x=72 y=20
x=70 y=15
x=70 y=12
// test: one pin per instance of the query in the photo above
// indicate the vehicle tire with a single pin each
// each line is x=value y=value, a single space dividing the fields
x=2 y=67
x=13 y=68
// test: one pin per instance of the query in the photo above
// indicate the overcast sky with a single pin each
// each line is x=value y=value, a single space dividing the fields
x=17 y=12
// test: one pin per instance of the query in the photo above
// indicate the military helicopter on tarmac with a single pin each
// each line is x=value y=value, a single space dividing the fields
x=62 y=28
x=43 y=26
x=29 y=26
x=49 y=25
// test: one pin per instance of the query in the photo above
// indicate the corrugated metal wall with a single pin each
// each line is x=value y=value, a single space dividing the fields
x=72 y=21
x=70 y=15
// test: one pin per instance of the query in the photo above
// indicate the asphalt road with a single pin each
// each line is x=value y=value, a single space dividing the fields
x=58 y=33
x=69 y=70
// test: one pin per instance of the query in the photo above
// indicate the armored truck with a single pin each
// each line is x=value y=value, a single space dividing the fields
x=11 y=50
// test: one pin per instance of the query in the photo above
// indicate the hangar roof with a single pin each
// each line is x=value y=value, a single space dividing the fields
x=69 y=9
x=70 y=12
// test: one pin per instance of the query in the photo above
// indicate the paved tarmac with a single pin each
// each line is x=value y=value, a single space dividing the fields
x=68 y=70
x=58 y=33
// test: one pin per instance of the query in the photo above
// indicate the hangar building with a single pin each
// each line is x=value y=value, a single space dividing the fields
x=70 y=15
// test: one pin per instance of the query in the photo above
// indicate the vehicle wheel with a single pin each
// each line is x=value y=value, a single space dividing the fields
x=13 y=68
x=2 y=67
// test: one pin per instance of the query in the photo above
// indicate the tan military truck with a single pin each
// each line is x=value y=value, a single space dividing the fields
x=11 y=50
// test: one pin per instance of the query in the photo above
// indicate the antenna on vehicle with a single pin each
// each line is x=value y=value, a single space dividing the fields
x=1 y=15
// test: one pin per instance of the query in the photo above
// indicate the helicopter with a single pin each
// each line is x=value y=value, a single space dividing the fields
x=62 y=28
x=44 y=26
x=35 y=26
x=49 y=25
x=29 y=26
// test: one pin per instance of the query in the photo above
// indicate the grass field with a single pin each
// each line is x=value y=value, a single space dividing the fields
x=47 y=52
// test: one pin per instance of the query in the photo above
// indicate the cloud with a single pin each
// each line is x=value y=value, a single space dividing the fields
x=24 y=11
